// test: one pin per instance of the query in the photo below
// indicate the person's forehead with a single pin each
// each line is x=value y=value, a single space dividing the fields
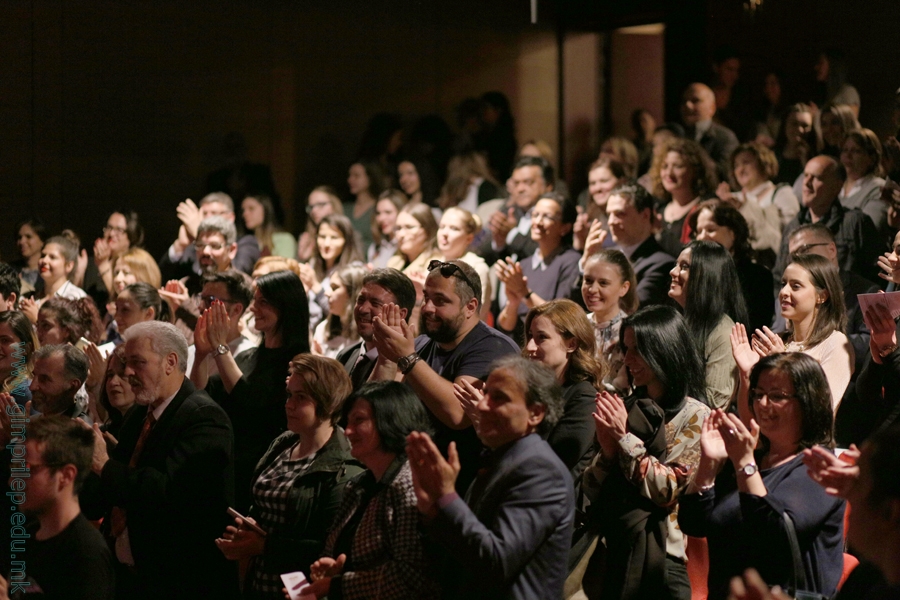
x=436 y=283
x=117 y=219
x=802 y=238
x=618 y=203
x=528 y=172
x=212 y=237
x=215 y=288
x=138 y=346
x=49 y=365
x=214 y=208
x=373 y=290
x=503 y=380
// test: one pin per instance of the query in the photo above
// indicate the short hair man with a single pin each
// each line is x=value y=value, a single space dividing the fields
x=510 y=537
x=181 y=259
x=59 y=372
x=64 y=555
x=233 y=289
x=632 y=217
x=170 y=478
x=10 y=287
x=698 y=107
x=380 y=287
x=858 y=243
x=455 y=347
x=511 y=230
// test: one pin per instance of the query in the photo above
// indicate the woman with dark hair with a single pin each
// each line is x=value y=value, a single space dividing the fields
x=123 y=230
x=17 y=346
x=812 y=303
x=751 y=477
x=299 y=482
x=551 y=272
x=336 y=247
x=258 y=214
x=666 y=370
x=320 y=203
x=705 y=285
x=682 y=176
x=64 y=321
x=115 y=396
x=835 y=121
x=417 y=180
x=137 y=303
x=250 y=386
x=797 y=142
x=374 y=548
x=338 y=330
x=861 y=157
x=604 y=175
x=366 y=183
x=30 y=236
x=717 y=221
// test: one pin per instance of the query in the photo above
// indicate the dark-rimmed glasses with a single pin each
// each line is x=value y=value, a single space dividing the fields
x=448 y=270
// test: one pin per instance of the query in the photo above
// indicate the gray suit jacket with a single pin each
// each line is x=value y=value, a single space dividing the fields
x=511 y=537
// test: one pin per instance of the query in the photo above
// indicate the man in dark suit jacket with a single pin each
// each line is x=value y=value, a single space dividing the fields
x=380 y=287
x=631 y=218
x=698 y=108
x=510 y=537
x=170 y=479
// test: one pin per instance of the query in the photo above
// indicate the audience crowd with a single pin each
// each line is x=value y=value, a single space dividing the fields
x=469 y=380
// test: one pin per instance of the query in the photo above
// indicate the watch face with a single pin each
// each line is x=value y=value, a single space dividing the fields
x=222 y=349
x=750 y=469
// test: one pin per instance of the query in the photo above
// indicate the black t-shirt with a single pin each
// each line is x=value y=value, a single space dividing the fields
x=76 y=564
x=472 y=357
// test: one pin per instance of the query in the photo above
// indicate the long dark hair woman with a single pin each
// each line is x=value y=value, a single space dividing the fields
x=649 y=447
x=299 y=483
x=705 y=285
x=17 y=346
x=374 y=542
x=751 y=474
x=250 y=386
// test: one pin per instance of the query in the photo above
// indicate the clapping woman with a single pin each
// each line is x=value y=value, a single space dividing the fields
x=751 y=474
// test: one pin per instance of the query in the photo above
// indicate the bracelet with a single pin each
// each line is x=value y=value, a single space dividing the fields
x=705 y=488
x=887 y=350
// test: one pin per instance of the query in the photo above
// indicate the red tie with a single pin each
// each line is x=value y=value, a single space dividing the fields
x=142 y=439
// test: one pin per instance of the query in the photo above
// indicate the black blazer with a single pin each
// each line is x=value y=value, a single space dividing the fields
x=176 y=497
x=651 y=268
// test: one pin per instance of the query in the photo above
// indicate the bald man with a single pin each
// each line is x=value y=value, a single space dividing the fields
x=856 y=239
x=698 y=107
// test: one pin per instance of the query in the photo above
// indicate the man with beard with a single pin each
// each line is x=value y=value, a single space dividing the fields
x=59 y=371
x=456 y=349
x=169 y=481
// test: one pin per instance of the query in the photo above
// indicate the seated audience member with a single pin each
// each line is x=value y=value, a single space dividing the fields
x=270 y=264
x=320 y=203
x=682 y=176
x=541 y=149
x=182 y=259
x=366 y=182
x=455 y=234
x=137 y=303
x=698 y=108
x=831 y=69
x=336 y=248
x=818 y=239
x=705 y=285
x=299 y=482
x=511 y=228
x=719 y=222
x=66 y=556
x=510 y=537
x=604 y=175
x=743 y=490
x=374 y=548
x=622 y=150
x=632 y=219
x=767 y=207
x=469 y=184
x=835 y=121
x=250 y=386
x=455 y=346
x=234 y=290
x=861 y=157
x=338 y=330
x=609 y=290
x=30 y=235
x=417 y=179
x=416 y=233
x=57 y=262
x=384 y=228
x=135 y=265
x=379 y=288
x=812 y=303
x=649 y=448
x=169 y=480
x=258 y=215
x=551 y=272
x=17 y=346
x=858 y=242
x=63 y=321
x=115 y=398
x=10 y=287
x=59 y=372
x=661 y=136
x=796 y=143
x=122 y=232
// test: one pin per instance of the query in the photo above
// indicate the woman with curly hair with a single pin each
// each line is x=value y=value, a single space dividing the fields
x=682 y=175
x=64 y=321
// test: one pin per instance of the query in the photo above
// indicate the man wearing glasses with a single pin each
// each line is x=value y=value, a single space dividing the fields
x=455 y=350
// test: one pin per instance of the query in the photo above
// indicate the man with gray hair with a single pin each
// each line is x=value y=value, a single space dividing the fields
x=510 y=537
x=169 y=481
x=59 y=372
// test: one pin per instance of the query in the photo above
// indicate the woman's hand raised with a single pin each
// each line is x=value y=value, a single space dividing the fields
x=743 y=352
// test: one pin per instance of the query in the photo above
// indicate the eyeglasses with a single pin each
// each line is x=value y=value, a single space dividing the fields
x=316 y=205
x=807 y=247
x=545 y=217
x=214 y=246
x=119 y=230
x=448 y=270
x=774 y=397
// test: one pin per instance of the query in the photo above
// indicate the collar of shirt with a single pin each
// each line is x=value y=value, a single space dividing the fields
x=523 y=227
x=760 y=190
x=161 y=408
x=701 y=128
x=629 y=250
x=856 y=186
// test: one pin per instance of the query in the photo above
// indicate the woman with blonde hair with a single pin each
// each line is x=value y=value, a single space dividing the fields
x=623 y=150
x=135 y=265
x=454 y=237
x=416 y=240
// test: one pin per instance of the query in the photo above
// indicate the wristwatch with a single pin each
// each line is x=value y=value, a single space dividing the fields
x=406 y=363
x=749 y=469
x=222 y=349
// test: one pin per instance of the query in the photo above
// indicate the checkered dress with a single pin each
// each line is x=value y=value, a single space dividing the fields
x=270 y=498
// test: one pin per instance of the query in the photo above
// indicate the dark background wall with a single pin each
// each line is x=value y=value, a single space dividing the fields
x=125 y=103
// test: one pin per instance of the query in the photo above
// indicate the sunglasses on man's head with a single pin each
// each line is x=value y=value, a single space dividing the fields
x=448 y=270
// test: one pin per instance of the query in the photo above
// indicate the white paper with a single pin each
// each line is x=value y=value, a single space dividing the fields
x=891 y=300
x=297 y=586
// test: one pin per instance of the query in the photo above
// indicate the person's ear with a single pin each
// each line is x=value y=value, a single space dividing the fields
x=232 y=251
x=626 y=285
x=150 y=314
x=823 y=297
x=472 y=306
x=67 y=475
x=69 y=266
x=536 y=414
x=403 y=313
x=11 y=301
x=566 y=228
x=171 y=363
